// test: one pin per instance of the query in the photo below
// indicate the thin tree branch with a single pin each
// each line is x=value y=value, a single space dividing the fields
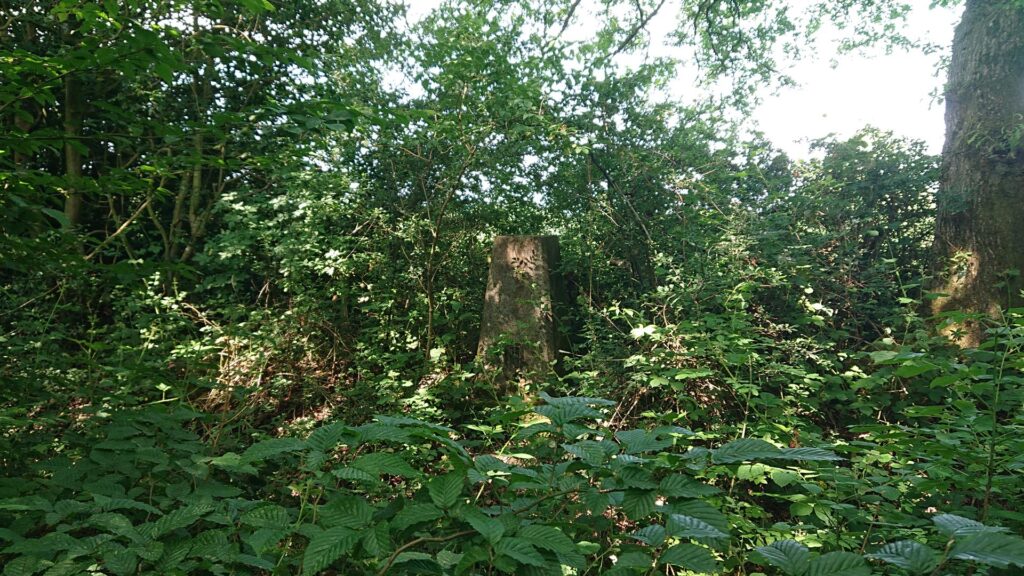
x=644 y=21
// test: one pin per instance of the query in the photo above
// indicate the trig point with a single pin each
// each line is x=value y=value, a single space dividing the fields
x=519 y=331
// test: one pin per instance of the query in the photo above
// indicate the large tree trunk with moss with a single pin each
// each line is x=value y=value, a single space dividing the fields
x=979 y=236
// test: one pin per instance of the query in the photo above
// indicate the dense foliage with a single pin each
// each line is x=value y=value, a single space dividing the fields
x=242 y=269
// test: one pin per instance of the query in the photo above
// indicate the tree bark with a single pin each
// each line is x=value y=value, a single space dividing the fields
x=72 y=154
x=979 y=234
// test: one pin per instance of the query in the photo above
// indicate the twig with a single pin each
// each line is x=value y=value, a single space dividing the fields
x=124 y=226
x=417 y=542
x=636 y=30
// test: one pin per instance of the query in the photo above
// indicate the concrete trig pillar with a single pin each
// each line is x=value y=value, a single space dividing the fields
x=519 y=329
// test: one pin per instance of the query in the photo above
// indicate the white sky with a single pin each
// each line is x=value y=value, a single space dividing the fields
x=892 y=92
x=835 y=94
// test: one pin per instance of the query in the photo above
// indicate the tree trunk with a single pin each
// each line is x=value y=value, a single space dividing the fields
x=72 y=147
x=979 y=234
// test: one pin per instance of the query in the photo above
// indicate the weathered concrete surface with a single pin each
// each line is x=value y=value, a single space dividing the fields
x=520 y=336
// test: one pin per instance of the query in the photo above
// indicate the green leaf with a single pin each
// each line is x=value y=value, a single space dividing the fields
x=561 y=415
x=575 y=400
x=653 y=535
x=346 y=511
x=883 y=356
x=639 y=441
x=634 y=560
x=679 y=485
x=258 y=6
x=378 y=463
x=445 y=490
x=416 y=514
x=488 y=527
x=790 y=556
x=690 y=373
x=266 y=516
x=809 y=455
x=955 y=526
x=638 y=504
x=703 y=511
x=682 y=526
x=691 y=557
x=993 y=549
x=909 y=555
x=326 y=547
x=743 y=450
x=57 y=215
x=233 y=462
x=261 y=451
x=23 y=566
x=547 y=537
x=355 y=474
x=265 y=539
x=839 y=564
x=326 y=438
x=520 y=550
x=589 y=451
x=915 y=368
x=174 y=520
x=376 y=540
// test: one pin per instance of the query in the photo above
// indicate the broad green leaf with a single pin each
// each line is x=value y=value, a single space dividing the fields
x=266 y=516
x=575 y=400
x=691 y=557
x=418 y=563
x=682 y=526
x=790 y=556
x=265 y=539
x=839 y=564
x=703 y=511
x=326 y=547
x=24 y=566
x=269 y=448
x=174 y=520
x=327 y=438
x=445 y=490
x=634 y=560
x=912 y=556
x=915 y=368
x=254 y=561
x=809 y=454
x=416 y=514
x=743 y=450
x=589 y=451
x=233 y=462
x=551 y=538
x=520 y=550
x=679 y=485
x=378 y=463
x=993 y=549
x=640 y=441
x=490 y=528
x=638 y=504
x=356 y=475
x=690 y=373
x=956 y=526
x=376 y=540
x=563 y=414
x=346 y=511
x=653 y=535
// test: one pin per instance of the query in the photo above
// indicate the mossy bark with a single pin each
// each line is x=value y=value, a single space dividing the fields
x=980 y=222
x=520 y=337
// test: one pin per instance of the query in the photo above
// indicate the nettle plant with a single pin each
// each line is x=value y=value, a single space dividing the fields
x=563 y=495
